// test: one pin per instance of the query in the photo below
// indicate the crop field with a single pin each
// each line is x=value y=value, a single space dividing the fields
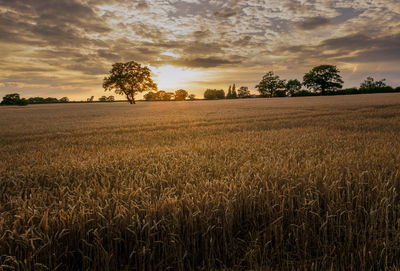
x=307 y=183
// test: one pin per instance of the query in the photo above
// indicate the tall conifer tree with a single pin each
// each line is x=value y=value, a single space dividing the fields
x=229 y=95
x=234 y=94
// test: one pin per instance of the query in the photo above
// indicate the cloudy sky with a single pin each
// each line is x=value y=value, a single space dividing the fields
x=65 y=47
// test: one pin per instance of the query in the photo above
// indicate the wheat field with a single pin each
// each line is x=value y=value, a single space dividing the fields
x=263 y=184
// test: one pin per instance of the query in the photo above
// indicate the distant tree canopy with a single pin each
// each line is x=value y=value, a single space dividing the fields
x=13 y=99
x=64 y=100
x=181 y=95
x=229 y=94
x=293 y=86
x=41 y=100
x=371 y=84
x=192 y=97
x=129 y=79
x=106 y=99
x=159 y=96
x=323 y=78
x=214 y=94
x=234 y=93
x=243 y=92
x=271 y=85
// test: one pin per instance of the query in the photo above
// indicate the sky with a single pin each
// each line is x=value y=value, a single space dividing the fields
x=57 y=48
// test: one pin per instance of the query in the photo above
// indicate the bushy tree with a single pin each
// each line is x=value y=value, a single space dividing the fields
x=214 y=94
x=323 y=78
x=293 y=86
x=13 y=99
x=243 y=92
x=370 y=84
x=159 y=95
x=150 y=96
x=129 y=79
x=271 y=85
x=181 y=95
x=48 y=100
x=110 y=99
x=103 y=99
x=168 y=96
x=64 y=100
x=36 y=100
x=192 y=97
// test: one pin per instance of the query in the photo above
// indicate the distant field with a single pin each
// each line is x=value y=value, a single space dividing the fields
x=286 y=183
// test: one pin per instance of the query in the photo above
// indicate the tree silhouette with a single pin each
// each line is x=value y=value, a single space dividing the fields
x=234 y=94
x=371 y=84
x=128 y=79
x=323 y=78
x=270 y=85
x=214 y=94
x=229 y=95
x=14 y=99
x=243 y=92
x=181 y=95
x=293 y=86
x=149 y=96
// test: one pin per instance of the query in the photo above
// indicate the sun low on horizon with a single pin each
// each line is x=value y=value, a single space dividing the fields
x=63 y=48
x=171 y=78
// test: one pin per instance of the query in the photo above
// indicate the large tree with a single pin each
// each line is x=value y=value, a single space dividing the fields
x=129 y=79
x=181 y=95
x=13 y=99
x=323 y=78
x=244 y=92
x=293 y=86
x=270 y=85
x=214 y=94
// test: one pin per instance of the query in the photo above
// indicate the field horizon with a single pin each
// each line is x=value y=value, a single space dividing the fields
x=305 y=183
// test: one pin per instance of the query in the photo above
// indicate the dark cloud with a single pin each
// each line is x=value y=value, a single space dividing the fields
x=147 y=31
x=349 y=42
x=89 y=68
x=313 y=23
x=380 y=49
x=226 y=13
x=108 y=55
x=198 y=35
x=207 y=62
x=242 y=41
x=201 y=48
x=355 y=48
x=59 y=12
x=142 y=5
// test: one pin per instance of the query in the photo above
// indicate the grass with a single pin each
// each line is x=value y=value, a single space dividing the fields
x=275 y=184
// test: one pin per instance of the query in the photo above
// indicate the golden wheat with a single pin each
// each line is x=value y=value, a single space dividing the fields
x=293 y=183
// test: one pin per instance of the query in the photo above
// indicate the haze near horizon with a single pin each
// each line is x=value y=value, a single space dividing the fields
x=65 y=48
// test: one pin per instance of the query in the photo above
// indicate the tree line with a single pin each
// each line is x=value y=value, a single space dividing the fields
x=15 y=99
x=321 y=80
x=161 y=95
x=131 y=78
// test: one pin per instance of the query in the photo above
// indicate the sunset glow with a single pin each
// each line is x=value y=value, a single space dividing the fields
x=170 y=77
x=66 y=47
